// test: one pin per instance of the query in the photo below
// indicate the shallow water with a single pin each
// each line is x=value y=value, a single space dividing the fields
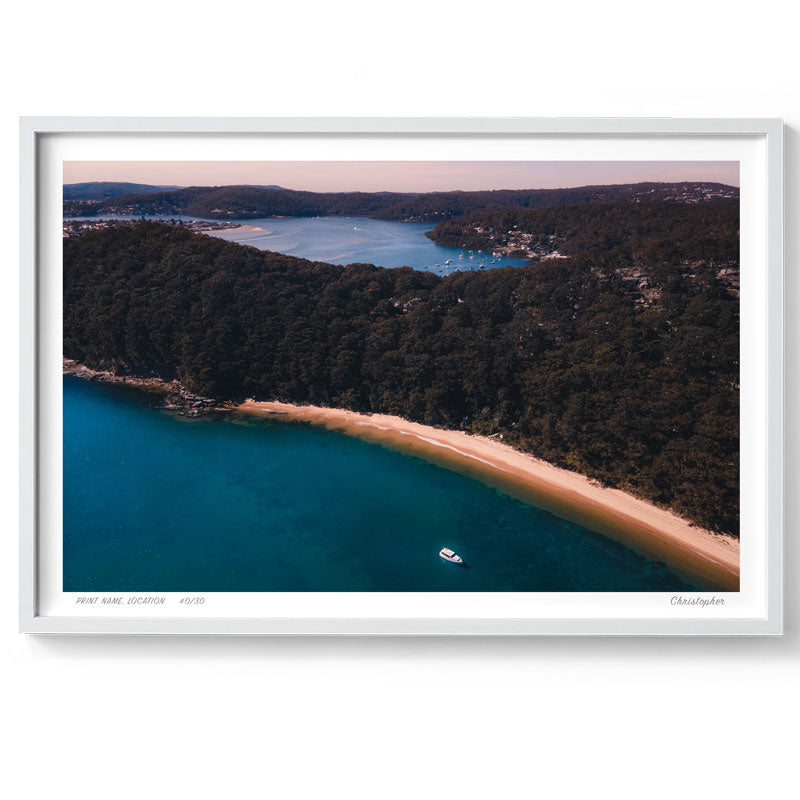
x=158 y=502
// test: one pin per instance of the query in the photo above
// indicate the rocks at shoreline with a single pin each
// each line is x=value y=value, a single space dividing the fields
x=177 y=397
x=189 y=404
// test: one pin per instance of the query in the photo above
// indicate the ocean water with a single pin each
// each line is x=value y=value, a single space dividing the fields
x=348 y=240
x=158 y=502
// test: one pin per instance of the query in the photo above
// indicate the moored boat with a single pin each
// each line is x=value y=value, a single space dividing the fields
x=448 y=555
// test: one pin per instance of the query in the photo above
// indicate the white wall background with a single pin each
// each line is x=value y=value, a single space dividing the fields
x=193 y=717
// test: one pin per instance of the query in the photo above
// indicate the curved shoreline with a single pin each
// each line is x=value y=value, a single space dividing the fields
x=708 y=559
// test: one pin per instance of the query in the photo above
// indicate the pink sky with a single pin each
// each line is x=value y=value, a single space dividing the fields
x=400 y=176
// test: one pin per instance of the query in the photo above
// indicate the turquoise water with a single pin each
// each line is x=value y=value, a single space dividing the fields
x=348 y=240
x=158 y=502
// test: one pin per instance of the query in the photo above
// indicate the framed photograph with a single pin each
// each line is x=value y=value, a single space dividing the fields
x=401 y=376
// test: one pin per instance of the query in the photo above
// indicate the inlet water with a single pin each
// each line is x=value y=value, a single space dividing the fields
x=349 y=240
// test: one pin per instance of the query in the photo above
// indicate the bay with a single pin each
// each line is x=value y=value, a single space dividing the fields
x=157 y=502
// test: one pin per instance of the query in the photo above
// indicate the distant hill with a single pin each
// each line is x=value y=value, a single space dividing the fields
x=104 y=190
x=250 y=202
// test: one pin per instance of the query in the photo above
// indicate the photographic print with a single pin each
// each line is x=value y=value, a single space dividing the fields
x=401 y=376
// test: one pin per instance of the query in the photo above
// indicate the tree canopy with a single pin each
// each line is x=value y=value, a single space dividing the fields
x=628 y=375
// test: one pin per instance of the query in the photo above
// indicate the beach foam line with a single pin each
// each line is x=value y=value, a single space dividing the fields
x=373 y=425
x=436 y=443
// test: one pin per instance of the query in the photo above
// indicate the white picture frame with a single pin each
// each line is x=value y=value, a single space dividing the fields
x=765 y=617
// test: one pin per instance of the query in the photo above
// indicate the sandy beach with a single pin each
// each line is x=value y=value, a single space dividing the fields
x=710 y=560
x=237 y=229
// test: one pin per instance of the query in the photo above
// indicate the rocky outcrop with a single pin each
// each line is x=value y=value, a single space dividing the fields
x=176 y=396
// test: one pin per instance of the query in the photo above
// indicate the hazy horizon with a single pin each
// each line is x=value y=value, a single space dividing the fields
x=400 y=176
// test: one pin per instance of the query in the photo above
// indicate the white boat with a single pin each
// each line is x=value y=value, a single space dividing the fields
x=449 y=261
x=448 y=555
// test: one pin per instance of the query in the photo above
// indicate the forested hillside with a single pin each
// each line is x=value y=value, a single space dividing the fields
x=252 y=202
x=627 y=375
x=629 y=232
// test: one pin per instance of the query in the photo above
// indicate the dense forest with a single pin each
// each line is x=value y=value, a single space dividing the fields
x=252 y=202
x=628 y=374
